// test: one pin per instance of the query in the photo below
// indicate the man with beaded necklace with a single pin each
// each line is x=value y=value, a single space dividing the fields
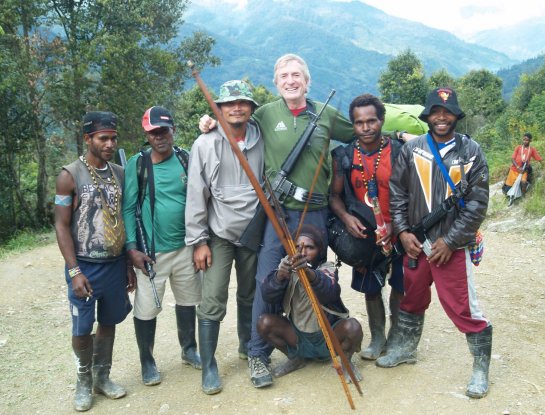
x=90 y=235
x=369 y=162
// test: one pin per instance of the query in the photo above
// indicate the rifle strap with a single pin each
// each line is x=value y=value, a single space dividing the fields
x=311 y=112
x=146 y=181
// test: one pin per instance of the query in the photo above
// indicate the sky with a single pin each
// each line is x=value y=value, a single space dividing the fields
x=461 y=17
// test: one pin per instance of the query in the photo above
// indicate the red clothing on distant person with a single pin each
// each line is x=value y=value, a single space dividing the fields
x=523 y=155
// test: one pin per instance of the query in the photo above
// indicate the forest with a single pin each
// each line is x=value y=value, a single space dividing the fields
x=61 y=58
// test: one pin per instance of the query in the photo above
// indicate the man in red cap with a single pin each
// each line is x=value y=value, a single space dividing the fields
x=91 y=238
x=428 y=170
x=156 y=180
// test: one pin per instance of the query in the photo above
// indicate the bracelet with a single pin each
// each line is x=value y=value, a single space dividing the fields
x=401 y=134
x=72 y=272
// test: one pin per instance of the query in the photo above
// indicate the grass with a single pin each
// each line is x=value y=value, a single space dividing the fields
x=535 y=203
x=25 y=241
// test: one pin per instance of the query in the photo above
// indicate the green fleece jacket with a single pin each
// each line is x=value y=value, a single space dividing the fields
x=281 y=130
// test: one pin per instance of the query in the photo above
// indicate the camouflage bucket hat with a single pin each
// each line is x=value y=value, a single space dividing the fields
x=234 y=91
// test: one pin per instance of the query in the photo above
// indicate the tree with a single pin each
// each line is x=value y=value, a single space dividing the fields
x=28 y=61
x=191 y=106
x=530 y=85
x=61 y=58
x=261 y=94
x=535 y=115
x=441 y=78
x=404 y=81
x=122 y=56
x=480 y=97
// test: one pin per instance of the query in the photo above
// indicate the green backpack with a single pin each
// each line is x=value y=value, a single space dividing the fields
x=404 y=118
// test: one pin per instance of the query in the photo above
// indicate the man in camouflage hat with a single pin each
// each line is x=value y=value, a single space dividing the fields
x=223 y=202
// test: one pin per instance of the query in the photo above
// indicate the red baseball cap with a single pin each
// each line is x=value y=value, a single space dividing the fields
x=156 y=117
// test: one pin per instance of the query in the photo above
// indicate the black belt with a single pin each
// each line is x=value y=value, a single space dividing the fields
x=302 y=195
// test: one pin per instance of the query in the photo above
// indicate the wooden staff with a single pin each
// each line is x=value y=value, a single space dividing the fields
x=287 y=243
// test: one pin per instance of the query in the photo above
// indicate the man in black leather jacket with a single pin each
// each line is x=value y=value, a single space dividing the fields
x=417 y=186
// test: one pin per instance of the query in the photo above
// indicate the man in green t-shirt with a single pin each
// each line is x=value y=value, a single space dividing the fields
x=163 y=217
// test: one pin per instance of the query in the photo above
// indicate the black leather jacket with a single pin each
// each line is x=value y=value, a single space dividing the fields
x=417 y=186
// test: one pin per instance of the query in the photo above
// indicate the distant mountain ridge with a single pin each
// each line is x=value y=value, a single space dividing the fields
x=511 y=76
x=521 y=41
x=346 y=44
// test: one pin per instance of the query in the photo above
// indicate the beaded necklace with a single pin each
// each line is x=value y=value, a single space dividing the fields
x=522 y=155
x=371 y=183
x=113 y=210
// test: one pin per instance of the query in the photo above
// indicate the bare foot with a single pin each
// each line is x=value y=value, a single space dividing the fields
x=290 y=365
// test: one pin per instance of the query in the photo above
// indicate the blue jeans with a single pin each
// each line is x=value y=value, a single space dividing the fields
x=268 y=259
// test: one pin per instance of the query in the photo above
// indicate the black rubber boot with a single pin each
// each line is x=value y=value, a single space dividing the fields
x=395 y=300
x=208 y=341
x=404 y=342
x=377 y=320
x=185 y=320
x=480 y=346
x=244 y=329
x=102 y=363
x=83 y=398
x=145 y=338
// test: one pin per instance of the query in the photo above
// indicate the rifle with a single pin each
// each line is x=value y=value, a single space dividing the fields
x=288 y=243
x=281 y=186
x=141 y=238
x=431 y=219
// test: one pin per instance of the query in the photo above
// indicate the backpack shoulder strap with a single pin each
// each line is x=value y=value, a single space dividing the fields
x=396 y=148
x=183 y=157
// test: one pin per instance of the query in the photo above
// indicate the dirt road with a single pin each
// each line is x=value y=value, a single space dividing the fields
x=37 y=373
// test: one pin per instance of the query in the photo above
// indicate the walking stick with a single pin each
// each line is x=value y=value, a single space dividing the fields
x=285 y=239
